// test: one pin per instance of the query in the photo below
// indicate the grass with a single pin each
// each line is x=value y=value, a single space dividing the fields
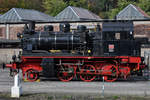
x=45 y=96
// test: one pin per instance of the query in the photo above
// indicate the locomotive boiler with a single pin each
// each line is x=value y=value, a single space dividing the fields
x=49 y=40
x=111 y=52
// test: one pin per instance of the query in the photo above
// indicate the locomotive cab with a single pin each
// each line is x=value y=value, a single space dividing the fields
x=118 y=39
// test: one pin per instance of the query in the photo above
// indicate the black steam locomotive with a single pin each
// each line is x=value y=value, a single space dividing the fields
x=110 y=52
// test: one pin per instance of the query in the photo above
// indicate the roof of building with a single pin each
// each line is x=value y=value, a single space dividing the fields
x=76 y=14
x=17 y=15
x=132 y=12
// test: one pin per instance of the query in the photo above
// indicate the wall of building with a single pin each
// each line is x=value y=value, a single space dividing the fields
x=6 y=55
x=14 y=30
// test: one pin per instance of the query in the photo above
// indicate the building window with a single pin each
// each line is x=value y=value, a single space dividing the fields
x=117 y=36
x=1 y=32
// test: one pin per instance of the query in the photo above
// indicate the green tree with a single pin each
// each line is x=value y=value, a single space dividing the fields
x=34 y=4
x=21 y=4
x=6 y=5
x=78 y=3
x=53 y=7
x=101 y=7
x=145 y=5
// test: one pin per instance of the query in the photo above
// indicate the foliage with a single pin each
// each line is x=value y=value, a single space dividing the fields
x=99 y=7
x=53 y=7
x=103 y=8
x=78 y=3
x=6 y=5
x=145 y=5
x=32 y=4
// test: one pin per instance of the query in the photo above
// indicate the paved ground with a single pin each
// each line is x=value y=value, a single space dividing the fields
x=77 y=87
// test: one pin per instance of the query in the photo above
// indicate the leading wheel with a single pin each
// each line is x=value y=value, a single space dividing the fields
x=114 y=74
x=32 y=75
x=87 y=73
x=65 y=73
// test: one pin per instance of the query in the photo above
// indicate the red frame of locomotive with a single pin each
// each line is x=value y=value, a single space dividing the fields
x=85 y=67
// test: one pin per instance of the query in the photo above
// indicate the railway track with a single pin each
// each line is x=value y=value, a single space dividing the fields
x=136 y=87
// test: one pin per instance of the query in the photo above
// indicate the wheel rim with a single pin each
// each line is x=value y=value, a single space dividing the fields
x=87 y=73
x=32 y=75
x=65 y=73
x=113 y=77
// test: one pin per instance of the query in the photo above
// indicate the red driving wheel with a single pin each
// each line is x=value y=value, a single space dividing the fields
x=65 y=73
x=87 y=73
x=114 y=74
x=32 y=75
